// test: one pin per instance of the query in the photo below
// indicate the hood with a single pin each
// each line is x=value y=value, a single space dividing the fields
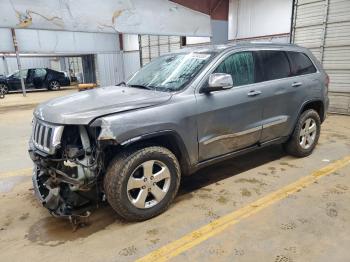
x=83 y=107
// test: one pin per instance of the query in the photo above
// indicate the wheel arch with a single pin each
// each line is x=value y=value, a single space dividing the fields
x=167 y=138
x=317 y=105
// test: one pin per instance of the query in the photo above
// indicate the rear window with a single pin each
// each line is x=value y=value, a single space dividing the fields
x=275 y=64
x=301 y=64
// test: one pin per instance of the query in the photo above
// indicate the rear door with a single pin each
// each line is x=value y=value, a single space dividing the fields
x=283 y=96
x=229 y=120
x=39 y=77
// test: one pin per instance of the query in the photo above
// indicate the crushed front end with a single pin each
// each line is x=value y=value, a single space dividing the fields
x=66 y=175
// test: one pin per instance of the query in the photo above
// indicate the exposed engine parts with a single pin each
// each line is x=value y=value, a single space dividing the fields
x=66 y=182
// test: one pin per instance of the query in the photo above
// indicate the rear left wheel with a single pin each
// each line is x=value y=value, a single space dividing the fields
x=142 y=184
x=305 y=135
x=54 y=85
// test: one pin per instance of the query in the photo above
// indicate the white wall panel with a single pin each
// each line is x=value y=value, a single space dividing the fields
x=126 y=16
x=252 y=18
x=130 y=42
x=190 y=40
x=6 y=44
x=60 y=42
x=131 y=63
x=110 y=69
x=27 y=62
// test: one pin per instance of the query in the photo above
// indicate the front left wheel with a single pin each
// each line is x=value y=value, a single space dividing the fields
x=4 y=89
x=141 y=184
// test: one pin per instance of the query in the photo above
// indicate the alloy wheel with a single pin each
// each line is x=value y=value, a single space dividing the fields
x=3 y=88
x=308 y=133
x=148 y=184
x=54 y=85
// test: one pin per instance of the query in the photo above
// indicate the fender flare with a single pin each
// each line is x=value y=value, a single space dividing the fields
x=188 y=168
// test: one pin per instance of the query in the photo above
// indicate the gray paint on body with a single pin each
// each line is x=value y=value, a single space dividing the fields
x=209 y=125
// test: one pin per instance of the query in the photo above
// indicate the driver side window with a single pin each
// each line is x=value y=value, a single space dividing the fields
x=240 y=66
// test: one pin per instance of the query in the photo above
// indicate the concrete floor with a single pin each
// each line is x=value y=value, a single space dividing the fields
x=310 y=225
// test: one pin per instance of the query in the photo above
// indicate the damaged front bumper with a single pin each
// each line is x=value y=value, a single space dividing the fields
x=53 y=189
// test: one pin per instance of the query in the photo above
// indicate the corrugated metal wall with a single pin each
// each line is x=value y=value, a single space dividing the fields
x=27 y=62
x=131 y=63
x=110 y=69
x=324 y=27
x=152 y=46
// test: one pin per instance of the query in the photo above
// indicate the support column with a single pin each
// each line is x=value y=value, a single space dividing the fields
x=15 y=44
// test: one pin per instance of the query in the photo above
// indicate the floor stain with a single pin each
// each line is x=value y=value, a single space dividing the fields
x=288 y=164
x=250 y=180
x=128 y=251
x=222 y=200
x=24 y=216
x=154 y=241
x=283 y=258
x=216 y=251
x=331 y=209
x=212 y=215
x=288 y=226
x=152 y=232
x=8 y=221
x=245 y=192
x=204 y=196
x=342 y=187
x=238 y=252
x=59 y=230
x=292 y=250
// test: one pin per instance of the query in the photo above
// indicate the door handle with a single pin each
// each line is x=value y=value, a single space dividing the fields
x=254 y=93
x=296 y=84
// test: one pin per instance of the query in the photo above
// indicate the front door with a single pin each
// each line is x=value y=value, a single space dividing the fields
x=230 y=120
x=39 y=77
x=14 y=80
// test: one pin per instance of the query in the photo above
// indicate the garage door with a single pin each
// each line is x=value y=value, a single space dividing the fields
x=152 y=46
x=324 y=27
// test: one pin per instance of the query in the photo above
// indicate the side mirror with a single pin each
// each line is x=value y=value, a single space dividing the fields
x=218 y=81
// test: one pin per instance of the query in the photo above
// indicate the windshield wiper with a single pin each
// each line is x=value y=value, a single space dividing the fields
x=141 y=86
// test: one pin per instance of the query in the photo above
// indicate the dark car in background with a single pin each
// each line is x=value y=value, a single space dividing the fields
x=34 y=78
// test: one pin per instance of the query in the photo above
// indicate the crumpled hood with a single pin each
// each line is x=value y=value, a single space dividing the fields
x=83 y=107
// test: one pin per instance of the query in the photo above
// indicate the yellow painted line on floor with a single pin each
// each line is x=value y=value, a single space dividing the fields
x=219 y=225
x=19 y=172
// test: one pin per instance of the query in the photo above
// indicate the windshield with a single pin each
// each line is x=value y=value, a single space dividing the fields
x=169 y=73
x=16 y=74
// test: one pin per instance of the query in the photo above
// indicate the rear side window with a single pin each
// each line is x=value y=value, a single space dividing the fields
x=301 y=64
x=240 y=66
x=40 y=72
x=274 y=64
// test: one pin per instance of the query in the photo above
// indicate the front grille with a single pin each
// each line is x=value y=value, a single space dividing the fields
x=46 y=137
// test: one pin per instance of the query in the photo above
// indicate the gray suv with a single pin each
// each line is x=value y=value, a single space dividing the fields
x=129 y=145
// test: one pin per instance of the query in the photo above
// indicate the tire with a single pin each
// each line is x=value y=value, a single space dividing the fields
x=125 y=184
x=4 y=89
x=54 y=85
x=305 y=135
